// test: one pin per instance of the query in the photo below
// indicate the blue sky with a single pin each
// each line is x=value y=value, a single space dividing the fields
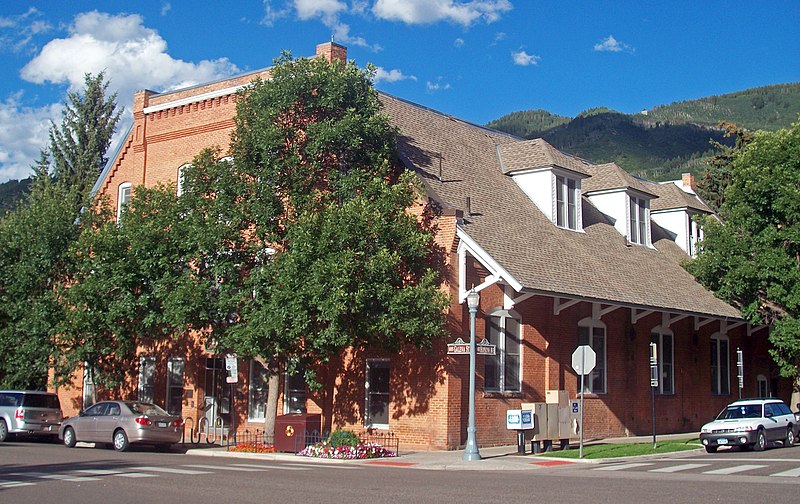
x=477 y=59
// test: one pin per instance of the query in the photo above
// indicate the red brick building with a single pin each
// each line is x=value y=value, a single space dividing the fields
x=562 y=251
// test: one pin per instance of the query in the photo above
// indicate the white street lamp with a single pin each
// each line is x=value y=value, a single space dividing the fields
x=471 y=450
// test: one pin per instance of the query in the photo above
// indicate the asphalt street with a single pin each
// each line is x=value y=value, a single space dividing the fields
x=41 y=472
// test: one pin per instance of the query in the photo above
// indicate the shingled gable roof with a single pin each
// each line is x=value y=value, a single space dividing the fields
x=457 y=160
x=534 y=154
x=672 y=197
x=609 y=176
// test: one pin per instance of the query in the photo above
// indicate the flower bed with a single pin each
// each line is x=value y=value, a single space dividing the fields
x=324 y=449
x=253 y=447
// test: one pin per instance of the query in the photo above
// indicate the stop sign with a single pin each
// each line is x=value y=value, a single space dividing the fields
x=584 y=359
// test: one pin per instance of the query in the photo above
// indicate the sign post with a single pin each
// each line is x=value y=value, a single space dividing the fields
x=232 y=366
x=654 y=384
x=740 y=369
x=584 y=359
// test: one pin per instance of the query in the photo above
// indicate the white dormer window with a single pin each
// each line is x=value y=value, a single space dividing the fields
x=123 y=198
x=567 y=199
x=638 y=222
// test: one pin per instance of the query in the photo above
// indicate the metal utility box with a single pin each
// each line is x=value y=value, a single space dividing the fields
x=292 y=431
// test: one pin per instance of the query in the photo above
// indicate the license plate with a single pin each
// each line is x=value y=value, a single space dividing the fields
x=722 y=441
x=162 y=424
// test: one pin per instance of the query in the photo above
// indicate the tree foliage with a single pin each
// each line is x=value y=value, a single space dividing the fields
x=79 y=144
x=752 y=257
x=34 y=246
x=717 y=175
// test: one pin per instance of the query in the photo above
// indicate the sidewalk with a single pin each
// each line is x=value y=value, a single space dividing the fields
x=496 y=458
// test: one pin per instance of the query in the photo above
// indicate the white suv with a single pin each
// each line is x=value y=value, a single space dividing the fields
x=751 y=423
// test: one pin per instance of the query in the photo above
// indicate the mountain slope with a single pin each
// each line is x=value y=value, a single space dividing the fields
x=662 y=142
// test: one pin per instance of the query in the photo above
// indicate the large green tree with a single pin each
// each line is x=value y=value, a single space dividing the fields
x=78 y=145
x=751 y=258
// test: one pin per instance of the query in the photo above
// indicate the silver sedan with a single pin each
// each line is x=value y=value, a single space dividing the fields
x=122 y=423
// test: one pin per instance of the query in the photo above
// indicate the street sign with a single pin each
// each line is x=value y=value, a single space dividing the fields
x=574 y=408
x=485 y=348
x=653 y=365
x=458 y=347
x=584 y=359
x=232 y=366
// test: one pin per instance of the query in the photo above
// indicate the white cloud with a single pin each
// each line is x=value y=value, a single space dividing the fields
x=132 y=57
x=23 y=132
x=17 y=31
x=522 y=58
x=165 y=8
x=432 y=11
x=610 y=44
x=458 y=43
x=439 y=85
x=394 y=75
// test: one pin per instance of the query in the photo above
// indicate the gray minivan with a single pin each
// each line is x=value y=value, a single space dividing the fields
x=29 y=412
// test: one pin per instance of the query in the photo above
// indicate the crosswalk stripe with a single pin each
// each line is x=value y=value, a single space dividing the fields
x=620 y=467
x=736 y=469
x=60 y=477
x=227 y=467
x=791 y=473
x=98 y=472
x=171 y=470
x=682 y=467
x=12 y=484
x=135 y=475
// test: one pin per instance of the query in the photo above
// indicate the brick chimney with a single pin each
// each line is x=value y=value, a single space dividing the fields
x=688 y=180
x=332 y=51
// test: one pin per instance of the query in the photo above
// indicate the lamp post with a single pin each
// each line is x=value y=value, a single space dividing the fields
x=471 y=450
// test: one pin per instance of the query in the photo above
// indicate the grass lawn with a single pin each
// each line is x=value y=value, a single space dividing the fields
x=615 y=450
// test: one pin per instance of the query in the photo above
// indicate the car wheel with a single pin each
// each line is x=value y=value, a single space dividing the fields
x=761 y=441
x=120 y=440
x=790 y=439
x=3 y=430
x=69 y=438
x=711 y=449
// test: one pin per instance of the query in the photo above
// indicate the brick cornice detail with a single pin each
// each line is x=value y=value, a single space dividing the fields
x=205 y=128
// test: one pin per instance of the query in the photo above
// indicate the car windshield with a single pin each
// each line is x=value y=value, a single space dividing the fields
x=41 y=401
x=146 y=409
x=740 y=411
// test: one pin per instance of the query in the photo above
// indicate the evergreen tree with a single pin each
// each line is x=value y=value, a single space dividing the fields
x=78 y=145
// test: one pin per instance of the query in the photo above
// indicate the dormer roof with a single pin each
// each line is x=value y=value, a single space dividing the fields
x=538 y=154
x=609 y=176
x=672 y=197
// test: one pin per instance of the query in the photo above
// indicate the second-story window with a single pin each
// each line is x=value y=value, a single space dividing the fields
x=123 y=198
x=637 y=222
x=566 y=203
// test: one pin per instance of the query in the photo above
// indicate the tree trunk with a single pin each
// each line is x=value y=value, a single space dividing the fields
x=273 y=385
x=794 y=402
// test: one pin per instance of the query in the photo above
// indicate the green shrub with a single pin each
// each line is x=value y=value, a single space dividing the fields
x=343 y=438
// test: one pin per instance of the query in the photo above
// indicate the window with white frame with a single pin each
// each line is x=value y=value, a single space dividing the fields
x=567 y=203
x=175 y=368
x=377 y=391
x=593 y=333
x=294 y=397
x=664 y=339
x=123 y=198
x=638 y=220
x=763 y=386
x=147 y=375
x=502 y=370
x=257 y=392
x=720 y=365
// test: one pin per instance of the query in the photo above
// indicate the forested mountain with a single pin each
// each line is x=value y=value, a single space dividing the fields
x=12 y=191
x=665 y=141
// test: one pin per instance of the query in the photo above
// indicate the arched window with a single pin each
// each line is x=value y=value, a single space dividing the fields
x=664 y=339
x=763 y=386
x=123 y=198
x=593 y=333
x=502 y=370
x=720 y=365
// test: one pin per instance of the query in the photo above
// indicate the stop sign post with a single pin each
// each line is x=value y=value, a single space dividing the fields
x=584 y=359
